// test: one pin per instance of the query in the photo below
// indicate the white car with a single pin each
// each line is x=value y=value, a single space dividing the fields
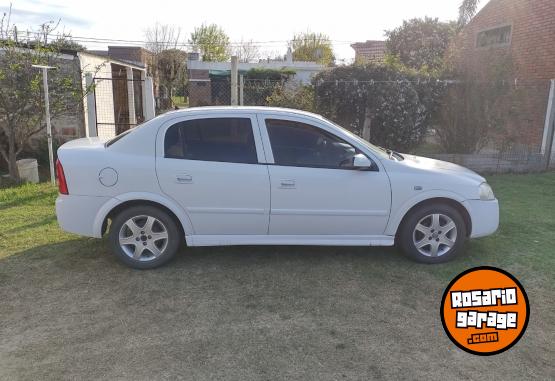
x=216 y=176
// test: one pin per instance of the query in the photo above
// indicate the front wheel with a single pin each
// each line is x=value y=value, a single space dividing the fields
x=433 y=234
x=144 y=237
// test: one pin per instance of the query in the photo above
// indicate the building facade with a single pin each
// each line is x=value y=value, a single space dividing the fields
x=518 y=35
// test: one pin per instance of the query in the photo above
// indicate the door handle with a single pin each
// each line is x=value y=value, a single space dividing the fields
x=287 y=184
x=183 y=179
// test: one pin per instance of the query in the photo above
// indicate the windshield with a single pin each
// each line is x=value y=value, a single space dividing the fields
x=382 y=152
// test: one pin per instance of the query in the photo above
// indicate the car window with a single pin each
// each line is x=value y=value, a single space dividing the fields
x=302 y=145
x=212 y=139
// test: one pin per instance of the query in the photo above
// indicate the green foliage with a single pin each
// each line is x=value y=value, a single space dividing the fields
x=397 y=106
x=21 y=93
x=212 y=42
x=171 y=70
x=467 y=10
x=301 y=98
x=271 y=74
x=421 y=43
x=478 y=107
x=313 y=47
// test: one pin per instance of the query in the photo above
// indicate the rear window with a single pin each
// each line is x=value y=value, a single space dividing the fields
x=212 y=139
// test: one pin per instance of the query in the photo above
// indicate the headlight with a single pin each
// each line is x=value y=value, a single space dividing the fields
x=486 y=193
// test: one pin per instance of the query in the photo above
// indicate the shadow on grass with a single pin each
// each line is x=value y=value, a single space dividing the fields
x=19 y=201
x=84 y=255
x=36 y=224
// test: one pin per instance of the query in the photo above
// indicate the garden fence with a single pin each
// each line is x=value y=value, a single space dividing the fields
x=491 y=127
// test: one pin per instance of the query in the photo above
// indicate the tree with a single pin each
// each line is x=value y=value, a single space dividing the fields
x=21 y=100
x=171 y=66
x=421 y=43
x=247 y=51
x=212 y=42
x=162 y=37
x=168 y=62
x=467 y=10
x=313 y=47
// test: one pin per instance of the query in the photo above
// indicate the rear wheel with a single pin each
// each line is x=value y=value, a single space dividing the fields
x=144 y=237
x=433 y=233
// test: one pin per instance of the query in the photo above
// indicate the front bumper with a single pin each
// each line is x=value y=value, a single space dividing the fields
x=484 y=216
x=77 y=214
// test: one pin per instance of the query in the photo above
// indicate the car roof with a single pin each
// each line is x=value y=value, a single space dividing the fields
x=240 y=109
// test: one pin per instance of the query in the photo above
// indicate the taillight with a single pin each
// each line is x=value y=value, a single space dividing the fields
x=62 y=184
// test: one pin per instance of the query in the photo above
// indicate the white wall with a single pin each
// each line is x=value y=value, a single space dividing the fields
x=99 y=67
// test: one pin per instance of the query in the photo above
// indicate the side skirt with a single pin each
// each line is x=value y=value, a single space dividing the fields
x=315 y=240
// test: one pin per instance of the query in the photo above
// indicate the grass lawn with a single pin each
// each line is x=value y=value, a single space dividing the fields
x=70 y=310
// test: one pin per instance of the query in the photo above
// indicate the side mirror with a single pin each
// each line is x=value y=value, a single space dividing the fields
x=361 y=162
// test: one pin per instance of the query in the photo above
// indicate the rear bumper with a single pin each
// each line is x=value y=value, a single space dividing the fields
x=484 y=216
x=78 y=214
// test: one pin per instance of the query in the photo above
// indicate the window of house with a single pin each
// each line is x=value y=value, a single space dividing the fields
x=212 y=139
x=494 y=37
x=302 y=145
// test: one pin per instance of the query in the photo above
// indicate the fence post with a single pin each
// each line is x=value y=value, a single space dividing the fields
x=148 y=99
x=549 y=131
x=234 y=70
x=367 y=124
x=90 y=130
x=549 y=148
x=131 y=96
x=241 y=89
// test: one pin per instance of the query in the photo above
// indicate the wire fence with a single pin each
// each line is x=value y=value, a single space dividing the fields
x=491 y=127
x=118 y=104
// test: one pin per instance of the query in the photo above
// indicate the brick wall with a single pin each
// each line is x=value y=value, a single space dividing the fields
x=530 y=52
x=369 y=51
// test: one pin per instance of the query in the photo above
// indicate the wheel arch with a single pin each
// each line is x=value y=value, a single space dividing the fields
x=454 y=202
x=118 y=204
x=442 y=200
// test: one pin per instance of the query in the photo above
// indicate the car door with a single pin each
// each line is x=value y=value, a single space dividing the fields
x=214 y=167
x=314 y=188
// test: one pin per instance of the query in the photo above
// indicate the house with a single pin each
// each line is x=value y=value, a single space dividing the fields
x=369 y=51
x=522 y=34
x=206 y=86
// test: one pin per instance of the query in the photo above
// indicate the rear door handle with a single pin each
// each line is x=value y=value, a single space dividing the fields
x=183 y=179
x=287 y=184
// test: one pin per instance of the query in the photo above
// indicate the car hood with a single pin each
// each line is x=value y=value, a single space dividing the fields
x=439 y=166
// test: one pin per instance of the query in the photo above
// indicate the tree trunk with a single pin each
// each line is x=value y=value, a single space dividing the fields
x=12 y=158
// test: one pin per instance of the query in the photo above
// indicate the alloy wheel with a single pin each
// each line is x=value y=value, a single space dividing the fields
x=434 y=235
x=143 y=238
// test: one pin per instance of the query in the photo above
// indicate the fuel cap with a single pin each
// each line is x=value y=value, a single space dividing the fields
x=108 y=177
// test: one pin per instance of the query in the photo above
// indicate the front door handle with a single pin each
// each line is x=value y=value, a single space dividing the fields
x=287 y=184
x=183 y=179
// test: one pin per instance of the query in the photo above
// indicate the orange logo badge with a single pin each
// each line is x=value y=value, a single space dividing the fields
x=485 y=310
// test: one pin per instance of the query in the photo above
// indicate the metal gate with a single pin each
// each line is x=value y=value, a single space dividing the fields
x=118 y=103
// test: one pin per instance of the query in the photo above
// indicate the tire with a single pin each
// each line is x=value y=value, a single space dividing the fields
x=144 y=237
x=425 y=240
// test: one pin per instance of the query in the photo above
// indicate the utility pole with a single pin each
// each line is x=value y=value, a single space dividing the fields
x=241 y=89
x=48 y=126
x=234 y=74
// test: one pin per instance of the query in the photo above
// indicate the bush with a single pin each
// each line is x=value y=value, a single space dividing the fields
x=397 y=105
x=301 y=98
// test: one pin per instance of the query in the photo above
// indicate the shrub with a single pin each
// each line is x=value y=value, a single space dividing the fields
x=396 y=105
x=301 y=97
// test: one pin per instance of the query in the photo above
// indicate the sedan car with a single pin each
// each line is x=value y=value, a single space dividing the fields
x=216 y=176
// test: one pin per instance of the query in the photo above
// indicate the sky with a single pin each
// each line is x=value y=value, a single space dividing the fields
x=269 y=24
